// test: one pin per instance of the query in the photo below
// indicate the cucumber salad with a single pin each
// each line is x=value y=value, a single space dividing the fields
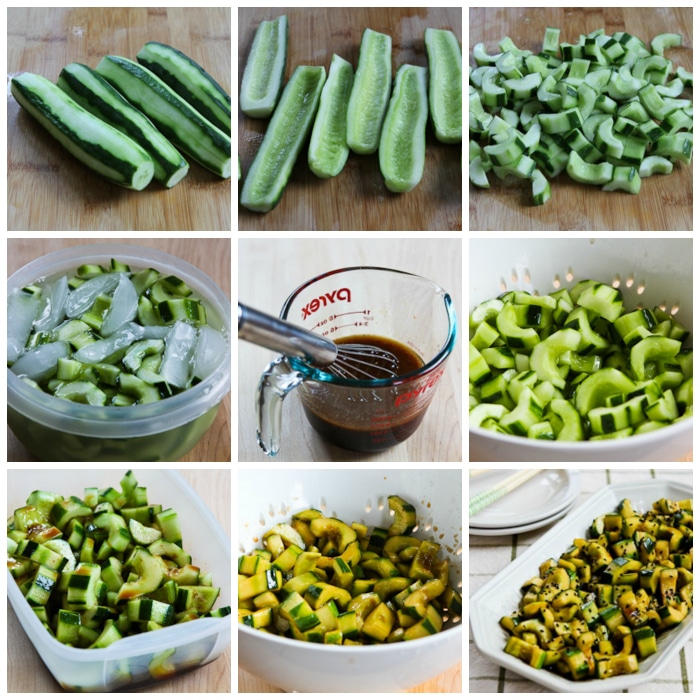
x=111 y=336
x=322 y=580
x=598 y=610
x=576 y=365
x=106 y=565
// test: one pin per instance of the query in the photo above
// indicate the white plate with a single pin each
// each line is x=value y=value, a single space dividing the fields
x=486 y=609
x=544 y=495
x=516 y=530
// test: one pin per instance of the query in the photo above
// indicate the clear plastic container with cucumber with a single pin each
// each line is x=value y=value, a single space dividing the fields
x=102 y=350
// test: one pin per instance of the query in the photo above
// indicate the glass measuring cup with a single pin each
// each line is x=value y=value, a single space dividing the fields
x=367 y=415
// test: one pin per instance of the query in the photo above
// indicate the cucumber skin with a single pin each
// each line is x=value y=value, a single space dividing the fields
x=440 y=95
x=259 y=193
x=265 y=110
x=166 y=159
x=25 y=93
x=378 y=98
x=219 y=143
x=395 y=135
x=219 y=114
x=324 y=136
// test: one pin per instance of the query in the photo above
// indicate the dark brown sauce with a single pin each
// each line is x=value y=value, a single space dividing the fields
x=385 y=432
x=408 y=359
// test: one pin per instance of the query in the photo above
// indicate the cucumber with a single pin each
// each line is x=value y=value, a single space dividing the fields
x=98 y=97
x=402 y=144
x=263 y=77
x=445 y=65
x=286 y=133
x=96 y=144
x=173 y=117
x=371 y=88
x=190 y=81
x=328 y=150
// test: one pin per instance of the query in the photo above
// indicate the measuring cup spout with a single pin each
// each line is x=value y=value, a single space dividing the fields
x=276 y=382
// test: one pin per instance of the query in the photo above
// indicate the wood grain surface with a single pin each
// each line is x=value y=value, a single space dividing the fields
x=50 y=190
x=212 y=256
x=357 y=199
x=665 y=202
x=270 y=269
x=26 y=672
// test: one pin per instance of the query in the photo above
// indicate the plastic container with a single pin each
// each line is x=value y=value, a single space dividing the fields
x=54 y=429
x=648 y=272
x=125 y=663
x=270 y=496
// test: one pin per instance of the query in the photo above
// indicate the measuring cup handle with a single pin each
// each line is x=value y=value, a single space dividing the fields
x=276 y=382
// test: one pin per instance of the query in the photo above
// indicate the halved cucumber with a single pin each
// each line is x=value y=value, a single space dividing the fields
x=190 y=81
x=402 y=144
x=286 y=133
x=98 y=97
x=371 y=88
x=263 y=77
x=328 y=150
x=96 y=144
x=175 y=119
x=445 y=64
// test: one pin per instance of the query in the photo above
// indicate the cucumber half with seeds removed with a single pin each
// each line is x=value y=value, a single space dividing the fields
x=180 y=123
x=370 y=92
x=402 y=145
x=445 y=63
x=97 y=96
x=263 y=77
x=93 y=142
x=190 y=81
x=328 y=150
x=286 y=133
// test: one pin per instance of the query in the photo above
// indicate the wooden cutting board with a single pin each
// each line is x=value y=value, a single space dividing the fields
x=665 y=202
x=48 y=189
x=357 y=198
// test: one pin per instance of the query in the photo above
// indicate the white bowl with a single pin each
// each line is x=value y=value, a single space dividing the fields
x=648 y=271
x=270 y=496
x=125 y=663
x=486 y=609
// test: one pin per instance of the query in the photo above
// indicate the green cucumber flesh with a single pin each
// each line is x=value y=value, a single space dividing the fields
x=328 y=149
x=173 y=117
x=371 y=89
x=286 y=134
x=445 y=96
x=263 y=77
x=190 y=81
x=92 y=92
x=402 y=144
x=98 y=145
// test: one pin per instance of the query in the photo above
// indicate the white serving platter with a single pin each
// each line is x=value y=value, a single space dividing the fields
x=486 y=609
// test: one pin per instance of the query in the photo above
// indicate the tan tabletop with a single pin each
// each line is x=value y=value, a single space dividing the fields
x=47 y=188
x=357 y=198
x=270 y=269
x=665 y=202
x=212 y=256
x=26 y=672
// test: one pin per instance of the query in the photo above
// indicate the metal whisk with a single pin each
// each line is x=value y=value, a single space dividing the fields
x=349 y=361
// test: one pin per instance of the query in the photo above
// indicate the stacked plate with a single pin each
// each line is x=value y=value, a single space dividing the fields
x=542 y=500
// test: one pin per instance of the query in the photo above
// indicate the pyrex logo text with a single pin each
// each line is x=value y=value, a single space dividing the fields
x=325 y=299
x=412 y=394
